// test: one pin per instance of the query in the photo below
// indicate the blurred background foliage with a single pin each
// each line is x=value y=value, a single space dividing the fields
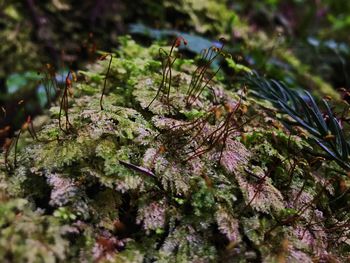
x=304 y=43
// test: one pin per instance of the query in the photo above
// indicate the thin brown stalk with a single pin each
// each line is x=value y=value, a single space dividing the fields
x=197 y=84
x=167 y=63
x=64 y=105
x=105 y=79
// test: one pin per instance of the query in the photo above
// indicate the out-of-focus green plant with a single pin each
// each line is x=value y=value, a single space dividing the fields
x=28 y=236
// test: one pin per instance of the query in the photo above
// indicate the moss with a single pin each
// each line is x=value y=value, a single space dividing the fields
x=184 y=191
x=28 y=236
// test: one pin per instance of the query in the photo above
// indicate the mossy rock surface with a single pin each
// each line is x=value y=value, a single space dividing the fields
x=214 y=180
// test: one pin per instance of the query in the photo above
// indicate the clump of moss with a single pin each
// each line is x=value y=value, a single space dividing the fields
x=162 y=181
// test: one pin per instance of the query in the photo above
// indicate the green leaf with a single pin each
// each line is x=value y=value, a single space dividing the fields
x=341 y=144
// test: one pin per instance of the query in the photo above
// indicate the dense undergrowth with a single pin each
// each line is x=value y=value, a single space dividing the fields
x=173 y=165
x=300 y=42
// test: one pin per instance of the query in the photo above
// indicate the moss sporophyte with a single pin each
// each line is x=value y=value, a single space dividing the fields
x=167 y=62
x=64 y=105
x=106 y=76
